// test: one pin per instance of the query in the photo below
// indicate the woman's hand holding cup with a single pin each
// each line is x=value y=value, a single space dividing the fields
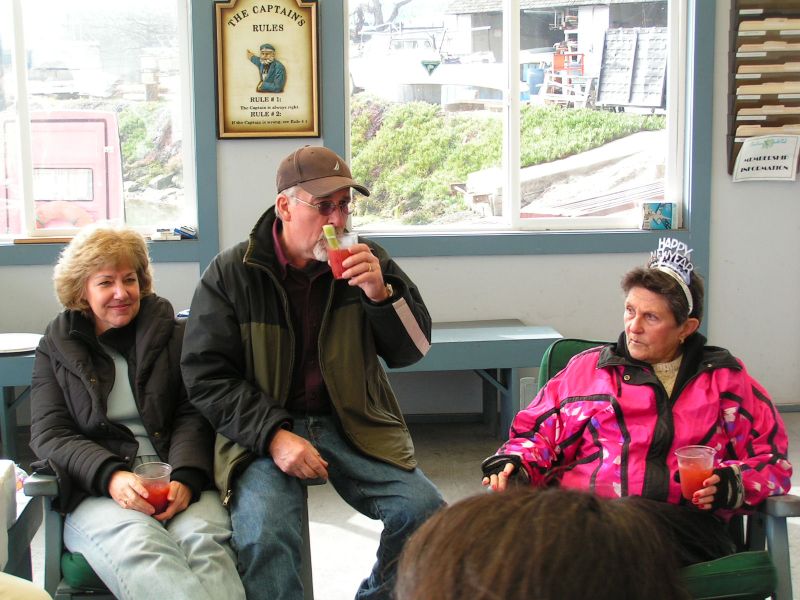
x=126 y=489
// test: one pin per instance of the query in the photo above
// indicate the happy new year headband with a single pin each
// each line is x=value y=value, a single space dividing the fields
x=672 y=258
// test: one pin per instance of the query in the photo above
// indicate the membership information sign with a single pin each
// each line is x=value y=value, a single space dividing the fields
x=767 y=158
x=266 y=71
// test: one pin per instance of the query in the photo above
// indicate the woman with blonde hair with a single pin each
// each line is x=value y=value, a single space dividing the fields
x=107 y=395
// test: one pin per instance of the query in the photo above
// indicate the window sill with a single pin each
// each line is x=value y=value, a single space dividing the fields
x=521 y=242
x=45 y=251
x=42 y=240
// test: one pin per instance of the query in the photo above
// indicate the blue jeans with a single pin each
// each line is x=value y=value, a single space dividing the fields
x=137 y=557
x=266 y=513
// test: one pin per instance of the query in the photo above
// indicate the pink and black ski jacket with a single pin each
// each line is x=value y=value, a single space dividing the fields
x=605 y=424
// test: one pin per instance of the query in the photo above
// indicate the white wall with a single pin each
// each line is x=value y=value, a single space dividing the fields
x=246 y=182
x=755 y=251
x=28 y=302
x=754 y=278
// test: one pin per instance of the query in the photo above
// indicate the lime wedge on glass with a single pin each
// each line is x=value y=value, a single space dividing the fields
x=330 y=236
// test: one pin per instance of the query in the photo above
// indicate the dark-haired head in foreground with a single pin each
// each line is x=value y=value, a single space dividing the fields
x=538 y=544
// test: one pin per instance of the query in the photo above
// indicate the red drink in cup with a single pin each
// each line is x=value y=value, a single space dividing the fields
x=339 y=253
x=335 y=258
x=695 y=464
x=157 y=496
x=155 y=478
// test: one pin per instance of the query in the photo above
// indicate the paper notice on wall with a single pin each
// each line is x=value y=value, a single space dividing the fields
x=767 y=158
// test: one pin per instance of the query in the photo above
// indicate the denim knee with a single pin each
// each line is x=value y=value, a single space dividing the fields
x=412 y=511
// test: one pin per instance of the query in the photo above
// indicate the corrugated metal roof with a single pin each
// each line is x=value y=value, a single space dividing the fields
x=463 y=7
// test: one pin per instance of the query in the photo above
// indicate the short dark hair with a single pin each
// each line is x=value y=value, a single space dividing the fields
x=548 y=544
x=664 y=285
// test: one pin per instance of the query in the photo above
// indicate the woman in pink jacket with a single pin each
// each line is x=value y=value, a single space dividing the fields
x=610 y=422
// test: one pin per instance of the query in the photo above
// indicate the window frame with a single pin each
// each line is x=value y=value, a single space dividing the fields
x=701 y=18
x=696 y=177
x=510 y=120
x=204 y=180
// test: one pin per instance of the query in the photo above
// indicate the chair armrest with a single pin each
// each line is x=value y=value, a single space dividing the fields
x=782 y=506
x=777 y=509
x=46 y=486
x=30 y=513
x=40 y=485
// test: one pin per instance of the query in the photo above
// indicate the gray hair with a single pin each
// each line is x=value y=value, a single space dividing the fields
x=290 y=192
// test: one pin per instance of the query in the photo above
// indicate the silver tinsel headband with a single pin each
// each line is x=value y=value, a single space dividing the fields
x=672 y=257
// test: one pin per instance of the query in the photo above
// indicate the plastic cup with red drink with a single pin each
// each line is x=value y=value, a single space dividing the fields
x=695 y=465
x=155 y=478
x=340 y=252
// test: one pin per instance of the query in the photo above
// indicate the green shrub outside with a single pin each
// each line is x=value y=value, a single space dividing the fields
x=144 y=131
x=409 y=154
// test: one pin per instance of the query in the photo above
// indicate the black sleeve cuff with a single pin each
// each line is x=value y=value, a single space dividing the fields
x=497 y=462
x=104 y=473
x=398 y=291
x=288 y=425
x=195 y=479
x=730 y=489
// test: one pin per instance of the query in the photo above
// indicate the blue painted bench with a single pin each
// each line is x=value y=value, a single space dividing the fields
x=15 y=371
x=495 y=350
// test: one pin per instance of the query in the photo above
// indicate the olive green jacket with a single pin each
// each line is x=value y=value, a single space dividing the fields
x=238 y=354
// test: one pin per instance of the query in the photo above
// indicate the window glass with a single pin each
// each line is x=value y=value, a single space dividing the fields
x=592 y=124
x=431 y=106
x=10 y=194
x=99 y=88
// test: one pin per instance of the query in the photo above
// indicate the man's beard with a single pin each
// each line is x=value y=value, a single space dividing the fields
x=320 y=250
x=267 y=61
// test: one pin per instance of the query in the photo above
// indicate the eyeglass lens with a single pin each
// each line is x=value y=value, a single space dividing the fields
x=326 y=207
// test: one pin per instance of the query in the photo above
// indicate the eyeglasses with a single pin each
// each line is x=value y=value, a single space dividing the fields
x=326 y=207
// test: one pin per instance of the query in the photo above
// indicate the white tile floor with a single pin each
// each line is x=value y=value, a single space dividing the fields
x=344 y=542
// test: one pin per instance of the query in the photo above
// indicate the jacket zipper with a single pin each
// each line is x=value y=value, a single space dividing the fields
x=322 y=326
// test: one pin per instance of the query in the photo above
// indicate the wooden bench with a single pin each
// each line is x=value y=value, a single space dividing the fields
x=495 y=350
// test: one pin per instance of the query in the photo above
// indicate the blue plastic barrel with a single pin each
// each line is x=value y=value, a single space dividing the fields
x=535 y=80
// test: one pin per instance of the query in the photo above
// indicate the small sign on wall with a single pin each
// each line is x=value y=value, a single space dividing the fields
x=266 y=72
x=767 y=158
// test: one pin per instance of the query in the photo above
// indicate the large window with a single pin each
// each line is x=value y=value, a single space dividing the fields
x=515 y=114
x=95 y=118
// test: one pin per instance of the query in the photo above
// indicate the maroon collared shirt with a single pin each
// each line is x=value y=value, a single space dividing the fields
x=307 y=290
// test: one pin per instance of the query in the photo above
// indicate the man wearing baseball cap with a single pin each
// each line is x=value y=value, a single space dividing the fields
x=283 y=359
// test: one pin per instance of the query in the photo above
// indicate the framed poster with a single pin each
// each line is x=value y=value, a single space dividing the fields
x=266 y=72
